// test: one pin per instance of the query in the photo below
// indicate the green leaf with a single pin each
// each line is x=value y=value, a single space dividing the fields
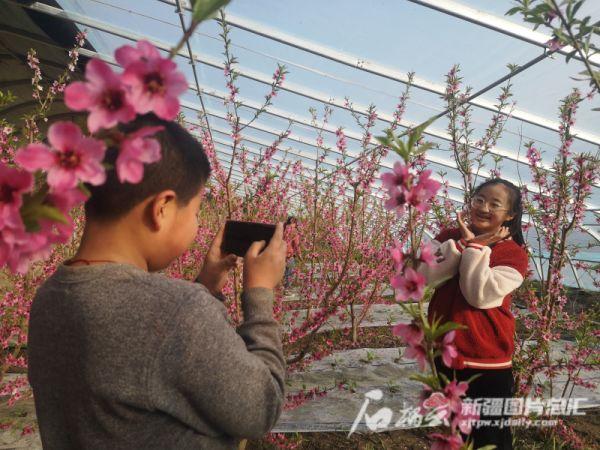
x=424 y=147
x=446 y=327
x=84 y=189
x=474 y=377
x=512 y=11
x=383 y=140
x=430 y=380
x=31 y=225
x=576 y=8
x=205 y=9
x=570 y=55
x=536 y=20
x=444 y=378
x=50 y=212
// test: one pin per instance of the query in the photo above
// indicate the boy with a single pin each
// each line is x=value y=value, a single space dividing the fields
x=124 y=358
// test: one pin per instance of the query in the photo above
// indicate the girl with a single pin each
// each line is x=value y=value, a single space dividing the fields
x=479 y=266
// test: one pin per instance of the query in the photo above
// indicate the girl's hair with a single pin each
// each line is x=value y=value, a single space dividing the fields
x=514 y=225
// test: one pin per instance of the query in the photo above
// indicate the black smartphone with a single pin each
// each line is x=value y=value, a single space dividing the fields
x=240 y=235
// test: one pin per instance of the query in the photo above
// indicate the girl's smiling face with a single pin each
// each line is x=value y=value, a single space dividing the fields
x=490 y=208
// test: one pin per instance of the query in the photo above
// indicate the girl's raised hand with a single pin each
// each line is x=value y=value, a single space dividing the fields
x=492 y=237
x=465 y=231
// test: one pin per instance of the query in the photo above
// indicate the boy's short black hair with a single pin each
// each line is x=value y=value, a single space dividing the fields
x=183 y=167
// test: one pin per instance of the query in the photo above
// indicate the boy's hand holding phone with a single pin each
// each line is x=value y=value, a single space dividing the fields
x=265 y=269
x=217 y=265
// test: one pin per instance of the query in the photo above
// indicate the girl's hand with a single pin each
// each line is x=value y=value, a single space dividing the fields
x=491 y=237
x=465 y=231
x=217 y=265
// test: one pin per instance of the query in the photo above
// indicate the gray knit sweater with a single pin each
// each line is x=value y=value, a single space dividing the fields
x=120 y=358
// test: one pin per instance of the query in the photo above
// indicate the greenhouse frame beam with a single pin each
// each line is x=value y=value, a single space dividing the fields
x=286 y=116
x=499 y=24
x=292 y=137
x=227 y=165
x=248 y=104
x=329 y=162
x=352 y=135
x=179 y=13
x=303 y=122
x=575 y=274
x=483 y=173
x=102 y=26
x=383 y=71
x=309 y=157
x=259 y=77
x=278 y=158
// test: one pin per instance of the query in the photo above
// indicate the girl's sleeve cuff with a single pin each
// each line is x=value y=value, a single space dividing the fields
x=474 y=245
x=461 y=245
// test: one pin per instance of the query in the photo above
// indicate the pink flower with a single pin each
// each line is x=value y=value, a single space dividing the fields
x=73 y=157
x=13 y=183
x=154 y=83
x=463 y=419
x=417 y=352
x=439 y=404
x=18 y=249
x=67 y=199
x=554 y=44
x=427 y=255
x=397 y=256
x=137 y=149
x=454 y=391
x=423 y=191
x=400 y=176
x=449 y=351
x=103 y=95
x=411 y=333
x=409 y=285
x=397 y=200
x=446 y=442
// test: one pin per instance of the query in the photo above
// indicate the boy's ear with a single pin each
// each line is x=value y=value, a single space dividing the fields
x=160 y=207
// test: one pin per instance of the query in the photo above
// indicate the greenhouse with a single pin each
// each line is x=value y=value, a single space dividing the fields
x=424 y=179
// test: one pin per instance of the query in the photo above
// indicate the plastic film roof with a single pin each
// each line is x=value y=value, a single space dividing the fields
x=364 y=51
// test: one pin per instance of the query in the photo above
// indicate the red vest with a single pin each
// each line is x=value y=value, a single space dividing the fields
x=489 y=338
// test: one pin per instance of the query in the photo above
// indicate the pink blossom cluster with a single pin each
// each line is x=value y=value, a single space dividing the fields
x=148 y=82
x=34 y=64
x=13 y=389
x=557 y=198
x=278 y=79
x=18 y=247
x=405 y=189
x=298 y=399
x=447 y=405
x=281 y=441
x=408 y=283
x=413 y=336
x=341 y=140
